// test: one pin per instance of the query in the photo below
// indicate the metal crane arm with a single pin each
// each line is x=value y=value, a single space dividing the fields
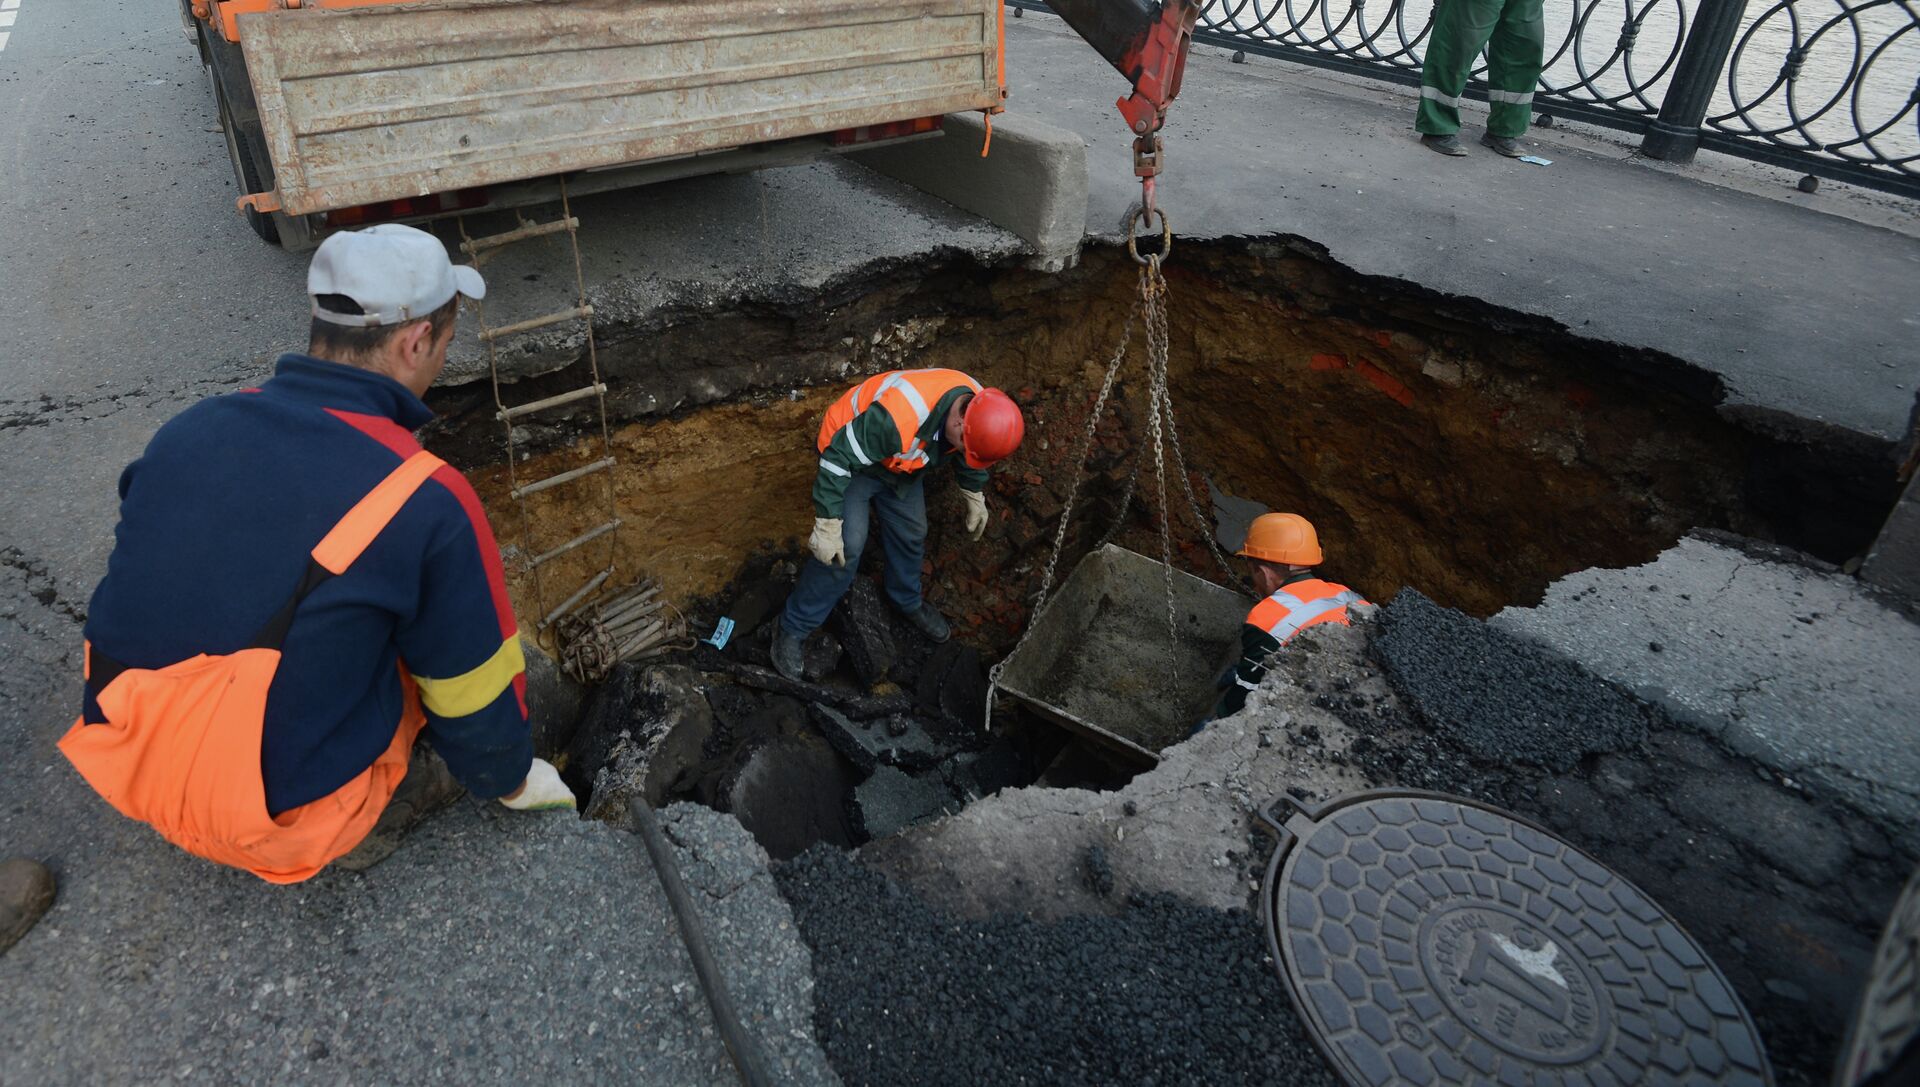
x=1147 y=40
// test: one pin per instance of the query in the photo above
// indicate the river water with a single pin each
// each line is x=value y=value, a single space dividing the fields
x=1865 y=54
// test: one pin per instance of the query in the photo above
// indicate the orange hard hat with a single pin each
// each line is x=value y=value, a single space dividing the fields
x=992 y=428
x=1282 y=537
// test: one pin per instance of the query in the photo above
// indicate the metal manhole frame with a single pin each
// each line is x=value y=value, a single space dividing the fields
x=1286 y=840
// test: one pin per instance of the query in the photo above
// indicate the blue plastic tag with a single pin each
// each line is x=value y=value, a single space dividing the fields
x=1536 y=160
x=721 y=632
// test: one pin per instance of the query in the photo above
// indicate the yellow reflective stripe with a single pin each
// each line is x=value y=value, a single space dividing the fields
x=474 y=691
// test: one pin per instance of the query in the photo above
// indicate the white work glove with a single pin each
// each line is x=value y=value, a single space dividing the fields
x=825 y=543
x=542 y=791
x=976 y=512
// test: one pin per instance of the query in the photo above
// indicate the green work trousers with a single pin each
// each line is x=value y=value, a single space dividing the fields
x=1514 y=36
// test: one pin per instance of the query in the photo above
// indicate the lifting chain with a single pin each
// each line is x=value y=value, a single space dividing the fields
x=1150 y=312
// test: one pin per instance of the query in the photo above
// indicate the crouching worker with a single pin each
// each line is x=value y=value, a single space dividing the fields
x=298 y=592
x=1281 y=551
x=876 y=445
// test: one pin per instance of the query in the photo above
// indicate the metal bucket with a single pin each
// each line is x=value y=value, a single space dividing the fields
x=1100 y=661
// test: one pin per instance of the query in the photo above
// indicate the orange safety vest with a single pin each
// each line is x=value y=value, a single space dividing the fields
x=1295 y=607
x=180 y=748
x=909 y=397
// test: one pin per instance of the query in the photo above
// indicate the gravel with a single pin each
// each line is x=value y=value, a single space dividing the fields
x=1164 y=992
x=1501 y=698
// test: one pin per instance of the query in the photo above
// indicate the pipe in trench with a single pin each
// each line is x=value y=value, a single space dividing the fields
x=748 y=1058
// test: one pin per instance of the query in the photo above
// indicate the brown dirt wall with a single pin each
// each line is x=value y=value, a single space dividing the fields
x=1434 y=441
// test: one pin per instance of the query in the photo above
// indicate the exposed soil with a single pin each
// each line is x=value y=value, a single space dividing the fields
x=1436 y=442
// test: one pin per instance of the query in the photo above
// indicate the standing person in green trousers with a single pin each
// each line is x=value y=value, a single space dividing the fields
x=1513 y=34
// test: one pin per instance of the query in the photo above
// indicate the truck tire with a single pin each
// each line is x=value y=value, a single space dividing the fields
x=246 y=146
x=245 y=173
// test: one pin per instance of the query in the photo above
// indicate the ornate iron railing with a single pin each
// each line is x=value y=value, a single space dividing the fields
x=1827 y=87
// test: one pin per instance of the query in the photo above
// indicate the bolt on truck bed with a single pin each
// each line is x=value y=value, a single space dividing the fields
x=348 y=111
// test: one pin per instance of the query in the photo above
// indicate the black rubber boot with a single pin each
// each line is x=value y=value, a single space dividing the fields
x=789 y=655
x=428 y=787
x=1502 y=145
x=1446 y=145
x=930 y=622
x=26 y=891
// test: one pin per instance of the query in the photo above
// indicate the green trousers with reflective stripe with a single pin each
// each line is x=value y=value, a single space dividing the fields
x=1512 y=33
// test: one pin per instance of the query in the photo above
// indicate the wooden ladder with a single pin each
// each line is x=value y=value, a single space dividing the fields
x=532 y=560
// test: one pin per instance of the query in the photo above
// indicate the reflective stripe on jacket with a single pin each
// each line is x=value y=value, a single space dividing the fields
x=1299 y=605
x=179 y=746
x=889 y=423
x=1295 y=606
x=908 y=397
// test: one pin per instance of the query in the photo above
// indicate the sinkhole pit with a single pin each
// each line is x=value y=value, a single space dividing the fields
x=1437 y=442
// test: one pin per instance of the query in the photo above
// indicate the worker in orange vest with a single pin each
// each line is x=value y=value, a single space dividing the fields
x=298 y=592
x=876 y=444
x=1281 y=550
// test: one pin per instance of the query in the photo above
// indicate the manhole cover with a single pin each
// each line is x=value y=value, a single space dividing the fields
x=1428 y=939
x=1881 y=1043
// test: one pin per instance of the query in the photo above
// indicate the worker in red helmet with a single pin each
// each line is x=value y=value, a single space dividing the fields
x=876 y=444
x=1281 y=550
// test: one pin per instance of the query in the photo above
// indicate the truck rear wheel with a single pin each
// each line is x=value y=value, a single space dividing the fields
x=246 y=147
x=245 y=173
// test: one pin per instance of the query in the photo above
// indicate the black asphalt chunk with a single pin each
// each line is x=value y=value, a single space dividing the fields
x=1163 y=993
x=866 y=632
x=1501 y=699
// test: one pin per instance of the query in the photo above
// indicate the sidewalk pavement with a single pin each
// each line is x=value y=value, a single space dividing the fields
x=1799 y=312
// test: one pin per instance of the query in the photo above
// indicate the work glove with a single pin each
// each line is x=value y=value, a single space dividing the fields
x=976 y=512
x=542 y=791
x=825 y=543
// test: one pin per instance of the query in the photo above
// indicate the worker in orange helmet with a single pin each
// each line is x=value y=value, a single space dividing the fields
x=876 y=444
x=1281 y=551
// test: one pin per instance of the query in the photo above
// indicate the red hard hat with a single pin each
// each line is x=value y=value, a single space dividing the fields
x=992 y=428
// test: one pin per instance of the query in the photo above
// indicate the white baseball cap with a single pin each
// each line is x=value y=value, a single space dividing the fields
x=395 y=273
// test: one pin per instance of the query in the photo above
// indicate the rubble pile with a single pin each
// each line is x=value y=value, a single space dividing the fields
x=1786 y=886
x=883 y=732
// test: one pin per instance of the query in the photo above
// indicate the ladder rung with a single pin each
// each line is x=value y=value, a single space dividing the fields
x=585 y=537
x=564 y=477
x=477 y=246
x=552 y=402
x=583 y=592
x=537 y=322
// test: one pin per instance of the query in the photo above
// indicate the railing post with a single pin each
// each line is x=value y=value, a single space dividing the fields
x=1675 y=134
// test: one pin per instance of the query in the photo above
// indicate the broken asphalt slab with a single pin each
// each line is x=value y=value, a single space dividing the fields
x=895 y=740
x=1799 y=667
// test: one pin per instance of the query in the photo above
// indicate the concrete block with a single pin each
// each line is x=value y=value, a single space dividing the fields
x=896 y=740
x=1033 y=182
x=1894 y=561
